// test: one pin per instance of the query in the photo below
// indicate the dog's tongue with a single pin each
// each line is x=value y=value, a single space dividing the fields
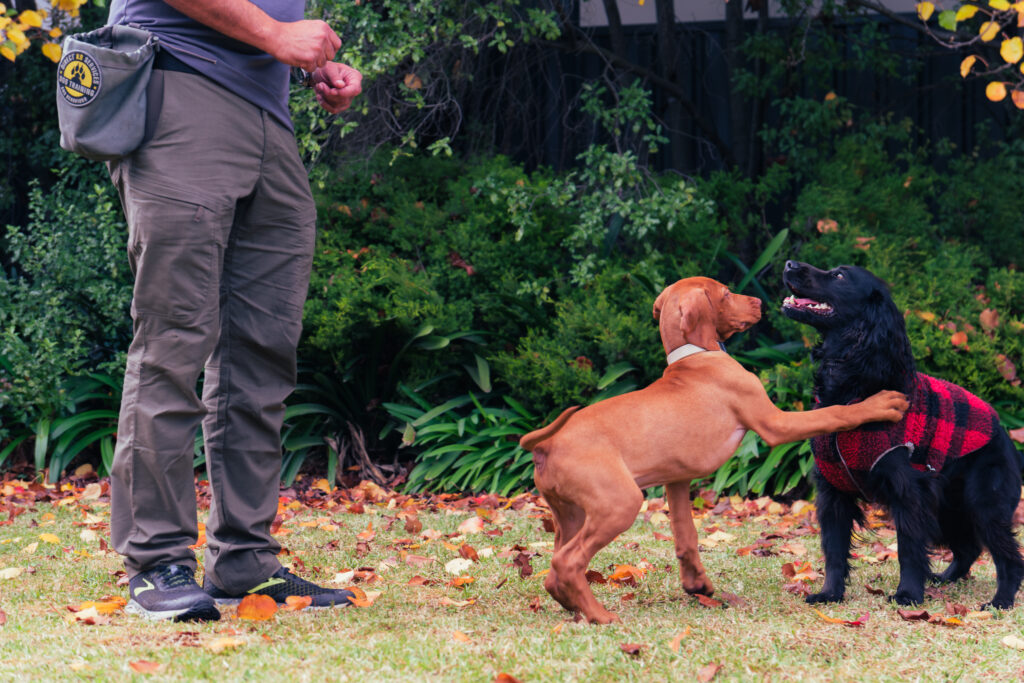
x=803 y=302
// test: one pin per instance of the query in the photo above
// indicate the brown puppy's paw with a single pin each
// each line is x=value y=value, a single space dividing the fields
x=700 y=587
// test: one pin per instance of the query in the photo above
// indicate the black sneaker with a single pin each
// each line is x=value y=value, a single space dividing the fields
x=170 y=591
x=280 y=585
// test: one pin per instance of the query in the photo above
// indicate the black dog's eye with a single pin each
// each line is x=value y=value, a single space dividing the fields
x=837 y=275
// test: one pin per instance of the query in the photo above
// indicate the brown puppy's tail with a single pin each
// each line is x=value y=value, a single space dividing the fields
x=529 y=441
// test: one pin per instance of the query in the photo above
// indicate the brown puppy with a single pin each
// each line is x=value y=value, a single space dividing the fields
x=591 y=465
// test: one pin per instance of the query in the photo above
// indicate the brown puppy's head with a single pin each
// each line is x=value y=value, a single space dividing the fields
x=702 y=311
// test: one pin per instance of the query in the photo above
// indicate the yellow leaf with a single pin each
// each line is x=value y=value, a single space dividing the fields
x=925 y=9
x=1001 y=5
x=965 y=66
x=30 y=548
x=106 y=606
x=31 y=18
x=966 y=12
x=49 y=538
x=7 y=52
x=11 y=573
x=1012 y=50
x=677 y=641
x=995 y=91
x=16 y=35
x=989 y=30
x=55 y=33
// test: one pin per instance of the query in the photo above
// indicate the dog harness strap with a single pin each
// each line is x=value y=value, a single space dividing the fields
x=682 y=352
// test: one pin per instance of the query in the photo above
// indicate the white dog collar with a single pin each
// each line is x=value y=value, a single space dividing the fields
x=682 y=352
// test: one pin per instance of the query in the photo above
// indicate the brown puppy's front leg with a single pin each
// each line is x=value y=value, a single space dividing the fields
x=691 y=571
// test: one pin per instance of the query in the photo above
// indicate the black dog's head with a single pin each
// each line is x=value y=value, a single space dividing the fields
x=833 y=299
x=864 y=346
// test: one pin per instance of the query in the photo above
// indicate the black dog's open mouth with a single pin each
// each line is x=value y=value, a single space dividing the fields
x=817 y=307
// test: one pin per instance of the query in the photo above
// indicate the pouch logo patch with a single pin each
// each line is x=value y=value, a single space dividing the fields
x=79 y=79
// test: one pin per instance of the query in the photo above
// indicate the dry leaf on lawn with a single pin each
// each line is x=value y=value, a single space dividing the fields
x=257 y=608
x=706 y=673
x=218 y=645
x=678 y=640
x=143 y=666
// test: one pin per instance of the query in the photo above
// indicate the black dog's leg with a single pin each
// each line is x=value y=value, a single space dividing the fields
x=913 y=501
x=958 y=534
x=992 y=491
x=837 y=511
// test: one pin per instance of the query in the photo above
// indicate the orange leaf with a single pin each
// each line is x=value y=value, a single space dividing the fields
x=632 y=649
x=959 y=339
x=461 y=637
x=995 y=91
x=966 y=65
x=1018 y=97
x=296 y=603
x=419 y=581
x=257 y=608
x=678 y=640
x=844 y=622
x=827 y=225
x=468 y=552
x=626 y=574
x=368 y=534
x=413 y=82
x=506 y=678
x=1007 y=369
x=106 y=606
x=145 y=667
x=460 y=581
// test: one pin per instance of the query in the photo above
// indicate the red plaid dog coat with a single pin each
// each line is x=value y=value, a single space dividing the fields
x=944 y=421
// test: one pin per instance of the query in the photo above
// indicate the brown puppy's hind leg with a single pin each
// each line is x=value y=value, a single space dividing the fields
x=610 y=500
x=691 y=571
x=568 y=518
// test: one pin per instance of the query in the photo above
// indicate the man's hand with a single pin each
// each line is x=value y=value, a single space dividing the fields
x=309 y=44
x=336 y=85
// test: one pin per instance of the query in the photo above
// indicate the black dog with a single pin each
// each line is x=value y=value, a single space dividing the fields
x=948 y=473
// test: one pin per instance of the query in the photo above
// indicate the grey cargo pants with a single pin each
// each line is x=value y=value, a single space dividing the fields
x=221 y=228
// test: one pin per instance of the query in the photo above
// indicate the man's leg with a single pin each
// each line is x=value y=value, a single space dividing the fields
x=179 y=203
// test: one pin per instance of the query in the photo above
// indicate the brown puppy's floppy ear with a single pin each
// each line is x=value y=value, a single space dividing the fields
x=659 y=303
x=697 y=318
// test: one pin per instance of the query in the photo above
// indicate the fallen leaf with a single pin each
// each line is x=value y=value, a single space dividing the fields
x=913 y=614
x=472 y=525
x=956 y=609
x=3 y=617
x=461 y=637
x=418 y=560
x=1014 y=642
x=89 y=617
x=108 y=605
x=460 y=581
x=257 y=608
x=458 y=565
x=798 y=549
x=943 y=620
x=874 y=591
x=367 y=535
x=468 y=552
x=457 y=603
x=419 y=581
x=49 y=538
x=297 y=603
x=218 y=645
x=708 y=602
x=143 y=666
x=30 y=549
x=413 y=525
x=506 y=678
x=678 y=640
x=706 y=673
x=978 y=616
x=11 y=573
x=594 y=576
x=632 y=649
x=522 y=561
x=832 y=620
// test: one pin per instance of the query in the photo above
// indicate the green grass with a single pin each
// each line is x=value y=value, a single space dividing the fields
x=408 y=633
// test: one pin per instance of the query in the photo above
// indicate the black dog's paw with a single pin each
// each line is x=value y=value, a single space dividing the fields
x=907 y=598
x=824 y=596
x=999 y=603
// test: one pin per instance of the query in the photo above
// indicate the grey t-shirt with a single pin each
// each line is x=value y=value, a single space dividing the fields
x=244 y=70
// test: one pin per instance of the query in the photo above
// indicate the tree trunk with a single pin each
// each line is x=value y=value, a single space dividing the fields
x=739 y=118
